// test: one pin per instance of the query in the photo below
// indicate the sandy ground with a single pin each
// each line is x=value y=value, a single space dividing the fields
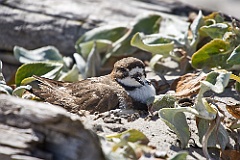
x=157 y=131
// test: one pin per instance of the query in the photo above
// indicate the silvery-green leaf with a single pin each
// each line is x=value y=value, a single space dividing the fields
x=68 y=61
x=70 y=76
x=194 y=27
x=5 y=89
x=102 y=45
x=203 y=108
x=176 y=120
x=80 y=62
x=175 y=29
x=234 y=57
x=218 y=136
x=20 y=90
x=151 y=44
x=154 y=60
x=45 y=69
x=197 y=23
x=48 y=53
x=217 y=80
x=93 y=64
x=147 y=23
x=108 y=32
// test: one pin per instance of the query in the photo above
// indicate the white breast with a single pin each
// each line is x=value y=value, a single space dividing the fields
x=142 y=94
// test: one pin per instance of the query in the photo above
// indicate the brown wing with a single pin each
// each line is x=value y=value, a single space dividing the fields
x=83 y=95
x=94 y=96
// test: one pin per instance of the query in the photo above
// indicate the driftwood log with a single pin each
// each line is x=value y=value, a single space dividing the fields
x=35 y=130
x=33 y=24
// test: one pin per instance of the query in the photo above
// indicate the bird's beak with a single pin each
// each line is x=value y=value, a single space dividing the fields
x=139 y=80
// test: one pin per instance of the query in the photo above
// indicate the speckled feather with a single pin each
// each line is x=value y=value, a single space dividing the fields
x=93 y=94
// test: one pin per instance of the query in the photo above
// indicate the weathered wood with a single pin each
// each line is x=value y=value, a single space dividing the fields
x=30 y=129
x=33 y=24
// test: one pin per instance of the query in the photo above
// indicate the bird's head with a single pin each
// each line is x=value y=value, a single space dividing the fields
x=131 y=75
x=129 y=72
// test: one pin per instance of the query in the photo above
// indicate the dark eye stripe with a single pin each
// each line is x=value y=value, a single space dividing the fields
x=123 y=72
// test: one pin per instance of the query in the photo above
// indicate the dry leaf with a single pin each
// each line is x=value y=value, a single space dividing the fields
x=230 y=155
x=234 y=110
x=187 y=85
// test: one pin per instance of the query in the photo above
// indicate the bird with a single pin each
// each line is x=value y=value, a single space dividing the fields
x=125 y=87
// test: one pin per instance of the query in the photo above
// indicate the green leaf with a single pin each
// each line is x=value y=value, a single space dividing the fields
x=157 y=45
x=197 y=23
x=28 y=80
x=216 y=81
x=218 y=136
x=213 y=54
x=234 y=58
x=110 y=33
x=176 y=120
x=215 y=30
x=20 y=90
x=45 y=69
x=70 y=76
x=163 y=101
x=48 y=53
x=133 y=136
x=101 y=45
x=175 y=29
x=145 y=23
x=182 y=155
x=215 y=16
x=194 y=27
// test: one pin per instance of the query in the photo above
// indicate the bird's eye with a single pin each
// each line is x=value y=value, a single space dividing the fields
x=123 y=71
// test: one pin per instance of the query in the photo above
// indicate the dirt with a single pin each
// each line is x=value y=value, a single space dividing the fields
x=154 y=128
